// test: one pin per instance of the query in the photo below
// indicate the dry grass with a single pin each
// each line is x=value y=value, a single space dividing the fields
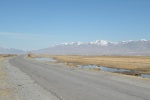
x=138 y=63
x=7 y=55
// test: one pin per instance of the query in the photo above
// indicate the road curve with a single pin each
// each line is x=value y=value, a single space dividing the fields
x=75 y=84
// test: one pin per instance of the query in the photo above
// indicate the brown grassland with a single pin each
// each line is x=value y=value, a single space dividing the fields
x=137 y=63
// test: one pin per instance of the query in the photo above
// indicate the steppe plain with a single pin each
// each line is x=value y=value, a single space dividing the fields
x=135 y=63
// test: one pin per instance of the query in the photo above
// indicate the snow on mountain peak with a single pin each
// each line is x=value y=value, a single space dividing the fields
x=143 y=40
x=71 y=43
x=100 y=42
x=129 y=41
x=97 y=42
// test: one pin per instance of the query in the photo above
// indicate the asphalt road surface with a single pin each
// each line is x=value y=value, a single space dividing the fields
x=77 y=84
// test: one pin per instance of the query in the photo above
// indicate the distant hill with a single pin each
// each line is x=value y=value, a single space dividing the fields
x=99 y=47
x=4 y=50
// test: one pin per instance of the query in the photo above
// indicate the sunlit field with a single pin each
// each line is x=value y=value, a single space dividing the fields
x=138 y=63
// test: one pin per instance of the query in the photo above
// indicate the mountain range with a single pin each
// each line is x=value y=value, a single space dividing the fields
x=99 y=47
x=4 y=50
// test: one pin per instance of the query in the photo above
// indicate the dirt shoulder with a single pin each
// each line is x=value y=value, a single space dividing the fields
x=7 y=90
x=17 y=85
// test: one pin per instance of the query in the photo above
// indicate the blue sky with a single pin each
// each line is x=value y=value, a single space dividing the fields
x=35 y=24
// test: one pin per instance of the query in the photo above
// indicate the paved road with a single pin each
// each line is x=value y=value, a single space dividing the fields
x=75 y=84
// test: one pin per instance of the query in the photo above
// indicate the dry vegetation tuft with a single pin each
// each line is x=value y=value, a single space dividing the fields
x=31 y=55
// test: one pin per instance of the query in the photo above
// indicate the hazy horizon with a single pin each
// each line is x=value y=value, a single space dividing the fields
x=74 y=42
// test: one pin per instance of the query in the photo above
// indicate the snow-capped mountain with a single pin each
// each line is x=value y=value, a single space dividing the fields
x=4 y=50
x=100 y=42
x=100 y=47
x=71 y=43
x=97 y=42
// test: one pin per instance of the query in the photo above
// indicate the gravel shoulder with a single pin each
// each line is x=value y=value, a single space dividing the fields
x=7 y=90
x=19 y=86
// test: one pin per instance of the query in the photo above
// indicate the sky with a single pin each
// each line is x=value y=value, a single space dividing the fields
x=37 y=24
